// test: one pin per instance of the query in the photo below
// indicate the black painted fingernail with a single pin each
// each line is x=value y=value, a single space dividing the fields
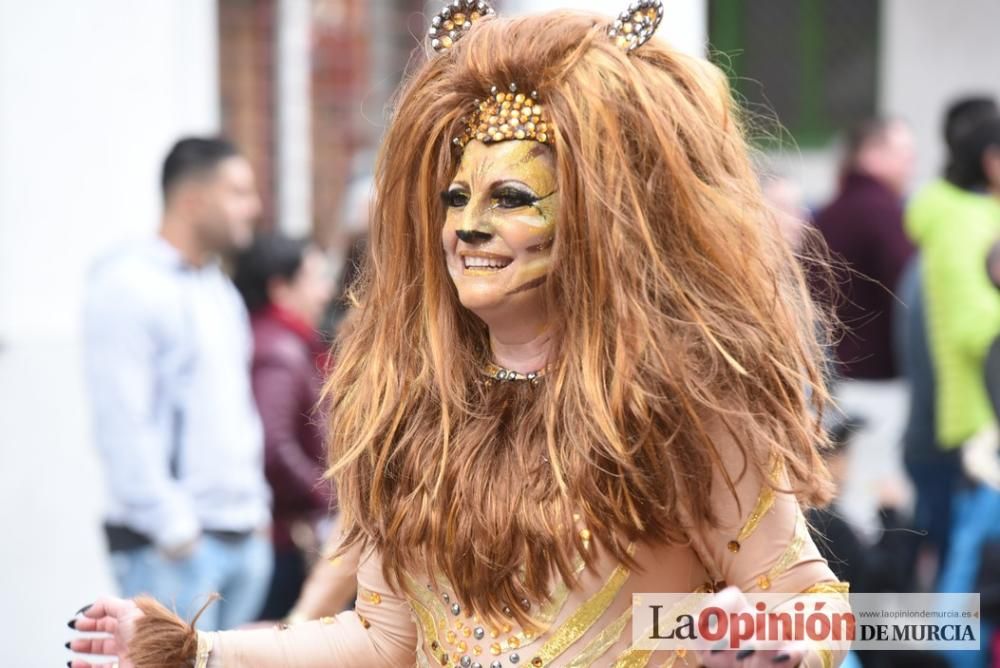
x=781 y=658
x=85 y=608
x=72 y=624
x=67 y=644
x=743 y=653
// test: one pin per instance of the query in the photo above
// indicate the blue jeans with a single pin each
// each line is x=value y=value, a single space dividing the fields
x=976 y=518
x=239 y=570
x=936 y=480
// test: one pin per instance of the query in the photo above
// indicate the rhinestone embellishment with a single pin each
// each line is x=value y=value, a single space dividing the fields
x=456 y=19
x=507 y=115
x=636 y=25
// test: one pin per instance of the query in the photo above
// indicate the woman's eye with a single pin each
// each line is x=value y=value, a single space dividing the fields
x=455 y=199
x=510 y=198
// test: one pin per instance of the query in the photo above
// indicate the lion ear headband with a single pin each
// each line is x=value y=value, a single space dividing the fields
x=511 y=114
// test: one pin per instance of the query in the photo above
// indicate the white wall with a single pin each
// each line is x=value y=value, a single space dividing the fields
x=92 y=93
x=293 y=115
x=685 y=22
x=91 y=96
x=934 y=51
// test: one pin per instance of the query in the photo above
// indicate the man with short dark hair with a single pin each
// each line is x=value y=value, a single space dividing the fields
x=168 y=350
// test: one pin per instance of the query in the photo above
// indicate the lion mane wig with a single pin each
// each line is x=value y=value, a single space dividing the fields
x=675 y=304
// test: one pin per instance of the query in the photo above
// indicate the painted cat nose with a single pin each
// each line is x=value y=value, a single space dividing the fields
x=473 y=236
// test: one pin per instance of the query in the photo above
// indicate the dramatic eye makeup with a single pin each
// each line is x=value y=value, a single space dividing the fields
x=513 y=196
x=455 y=197
x=502 y=196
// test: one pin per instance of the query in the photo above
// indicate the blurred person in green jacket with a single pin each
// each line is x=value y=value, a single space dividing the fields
x=954 y=221
x=934 y=471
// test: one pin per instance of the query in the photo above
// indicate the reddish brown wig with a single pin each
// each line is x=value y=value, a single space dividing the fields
x=676 y=306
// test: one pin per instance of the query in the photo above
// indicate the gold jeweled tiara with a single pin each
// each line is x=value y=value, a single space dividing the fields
x=507 y=115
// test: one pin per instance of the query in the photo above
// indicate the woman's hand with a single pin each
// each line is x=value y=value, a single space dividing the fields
x=732 y=600
x=114 y=619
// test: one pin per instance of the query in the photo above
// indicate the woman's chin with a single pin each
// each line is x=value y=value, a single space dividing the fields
x=481 y=300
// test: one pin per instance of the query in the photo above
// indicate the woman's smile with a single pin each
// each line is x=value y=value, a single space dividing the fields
x=479 y=263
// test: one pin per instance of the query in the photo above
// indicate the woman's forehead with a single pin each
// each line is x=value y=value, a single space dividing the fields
x=517 y=159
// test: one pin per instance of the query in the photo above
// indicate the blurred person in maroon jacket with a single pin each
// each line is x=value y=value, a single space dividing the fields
x=286 y=284
x=863 y=228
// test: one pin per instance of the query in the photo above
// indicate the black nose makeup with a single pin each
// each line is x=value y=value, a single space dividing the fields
x=473 y=236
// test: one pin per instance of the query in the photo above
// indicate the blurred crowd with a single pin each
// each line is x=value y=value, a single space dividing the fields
x=206 y=346
x=205 y=349
x=914 y=363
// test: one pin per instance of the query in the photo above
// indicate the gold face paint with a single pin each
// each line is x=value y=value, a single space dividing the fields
x=500 y=223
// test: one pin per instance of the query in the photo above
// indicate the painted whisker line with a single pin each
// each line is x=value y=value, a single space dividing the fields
x=544 y=246
x=524 y=287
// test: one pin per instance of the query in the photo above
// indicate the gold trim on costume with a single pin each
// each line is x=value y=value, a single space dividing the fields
x=430 y=631
x=633 y=658
x=764 y=503
x=842 y=588
x=637 y=657
x=584 y=617
x=431 y=611
x=602 y=642
x=372 y=597
x=788 y=557
x=423 y=609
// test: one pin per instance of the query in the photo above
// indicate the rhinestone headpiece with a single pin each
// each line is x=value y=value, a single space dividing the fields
x=636 y=25
x=507 y=114
x=454 y=20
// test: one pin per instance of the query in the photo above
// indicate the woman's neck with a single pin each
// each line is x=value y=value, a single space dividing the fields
x=520 y=352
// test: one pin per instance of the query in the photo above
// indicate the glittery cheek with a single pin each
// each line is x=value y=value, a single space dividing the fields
x=536 y=220
x=533 y=234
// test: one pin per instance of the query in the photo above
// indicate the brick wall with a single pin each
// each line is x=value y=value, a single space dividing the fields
x=246 y=64
x=349 y=96
x=341 y=75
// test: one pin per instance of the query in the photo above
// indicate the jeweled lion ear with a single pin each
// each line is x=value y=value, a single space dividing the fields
x=636 y=25
x=454 y=20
